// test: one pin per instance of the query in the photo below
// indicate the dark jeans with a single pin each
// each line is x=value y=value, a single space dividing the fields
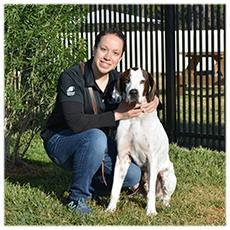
x=82 y=153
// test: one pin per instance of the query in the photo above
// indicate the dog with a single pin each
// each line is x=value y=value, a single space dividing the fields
x=143 y=140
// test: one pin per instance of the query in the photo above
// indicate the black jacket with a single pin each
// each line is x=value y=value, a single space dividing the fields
x=73 y=108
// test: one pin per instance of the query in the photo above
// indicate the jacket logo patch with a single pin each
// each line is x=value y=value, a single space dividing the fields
x=70 y=91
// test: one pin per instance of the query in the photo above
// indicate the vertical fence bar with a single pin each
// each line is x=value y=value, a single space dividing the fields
x=195 y=72
x=189 y=20
x=207 y=74
x=120 y=18
x=125 y=30
x=218 y=74
x=151 y=40
x=170 y=71
x=163 y=62
x=201 y=70
x=135 y=36
x=157 y=48
x=141 y=40
x=184 y=111
x=130 y=35
x=213 y=86
x=95 y=20
x=121 y=29
x=100 y=17
x=110 y=15
x=177 y=73
x=115 y=15
x=105 y=19
x=146 y=39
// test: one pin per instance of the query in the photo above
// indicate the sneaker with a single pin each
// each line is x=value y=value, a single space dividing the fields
x=79 y=206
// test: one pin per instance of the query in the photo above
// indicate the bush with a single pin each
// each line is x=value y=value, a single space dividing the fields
x=40 y=41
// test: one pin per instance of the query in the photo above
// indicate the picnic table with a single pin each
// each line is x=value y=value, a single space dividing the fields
x=194 y=59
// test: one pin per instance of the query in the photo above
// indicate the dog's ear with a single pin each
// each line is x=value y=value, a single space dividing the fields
x=149 y=87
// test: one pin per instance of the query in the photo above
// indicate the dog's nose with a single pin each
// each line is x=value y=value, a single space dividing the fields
x=133 y=92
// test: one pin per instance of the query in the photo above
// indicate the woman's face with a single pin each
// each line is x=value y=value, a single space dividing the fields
x=108 y=53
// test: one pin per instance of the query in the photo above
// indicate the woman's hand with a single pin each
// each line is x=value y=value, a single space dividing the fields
x=151 y=106
x=126 y=111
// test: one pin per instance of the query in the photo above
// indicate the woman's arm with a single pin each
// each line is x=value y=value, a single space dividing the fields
x=126 y=111
x=78 y=121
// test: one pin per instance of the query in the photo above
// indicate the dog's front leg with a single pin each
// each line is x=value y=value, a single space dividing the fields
x=121 y=168
x=151 y=196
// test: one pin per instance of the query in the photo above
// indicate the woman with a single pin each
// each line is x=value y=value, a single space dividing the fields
x=76 y=138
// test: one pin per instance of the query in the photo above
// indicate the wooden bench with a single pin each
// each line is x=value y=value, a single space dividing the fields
x=206 y=75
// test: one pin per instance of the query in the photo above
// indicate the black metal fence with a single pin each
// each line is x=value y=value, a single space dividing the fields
x=183 y=46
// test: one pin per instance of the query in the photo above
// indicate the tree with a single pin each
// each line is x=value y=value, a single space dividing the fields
x=40 y=41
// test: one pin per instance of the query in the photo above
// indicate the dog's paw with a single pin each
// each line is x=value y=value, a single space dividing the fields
x=151 y=212
x=111 y=208
x=165 y=202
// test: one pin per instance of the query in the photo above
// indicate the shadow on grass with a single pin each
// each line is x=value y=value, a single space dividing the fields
x=47 y=177
x=50 y=179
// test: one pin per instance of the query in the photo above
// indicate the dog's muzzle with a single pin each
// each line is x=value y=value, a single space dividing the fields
x=133 y=95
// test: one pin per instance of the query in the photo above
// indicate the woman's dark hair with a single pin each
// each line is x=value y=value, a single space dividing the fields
x=115 y=31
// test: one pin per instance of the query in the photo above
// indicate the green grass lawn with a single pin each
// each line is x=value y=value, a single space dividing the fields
x=33 y=194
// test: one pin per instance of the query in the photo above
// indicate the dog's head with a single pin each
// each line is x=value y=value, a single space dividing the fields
x=136 y=85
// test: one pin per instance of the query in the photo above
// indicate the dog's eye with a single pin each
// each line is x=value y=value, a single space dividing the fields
x=142 y=81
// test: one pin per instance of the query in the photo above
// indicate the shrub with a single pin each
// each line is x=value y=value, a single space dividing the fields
x=40 y=41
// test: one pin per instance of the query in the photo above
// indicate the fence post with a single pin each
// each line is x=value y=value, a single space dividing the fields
x=170 y=73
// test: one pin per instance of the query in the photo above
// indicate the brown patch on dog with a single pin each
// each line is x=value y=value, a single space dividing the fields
x=160 y=184
x=149 y=86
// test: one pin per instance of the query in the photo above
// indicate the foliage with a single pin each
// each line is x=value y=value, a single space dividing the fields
x=35 y=196
x=40 y=41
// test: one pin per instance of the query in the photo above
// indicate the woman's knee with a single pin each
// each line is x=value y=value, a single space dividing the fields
x=133 y=176
x=97 y=142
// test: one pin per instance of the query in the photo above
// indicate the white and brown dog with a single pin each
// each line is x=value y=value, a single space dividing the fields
x=143 y=140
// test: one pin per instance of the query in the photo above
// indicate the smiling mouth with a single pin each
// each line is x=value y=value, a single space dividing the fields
x=105 y=64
